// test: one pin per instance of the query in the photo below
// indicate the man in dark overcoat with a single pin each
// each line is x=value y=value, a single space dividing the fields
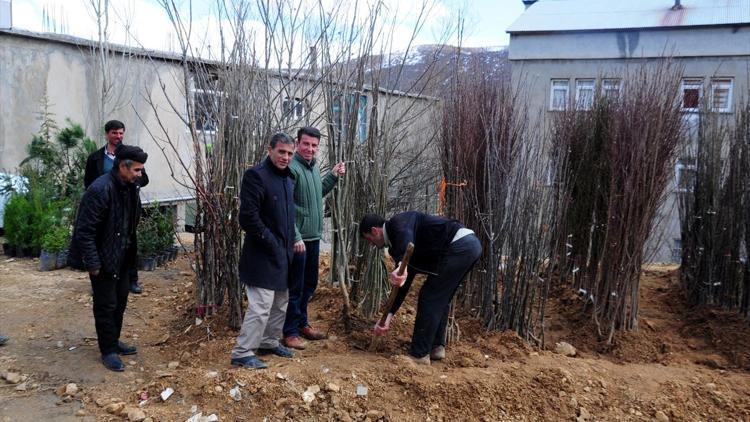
x=267 y=217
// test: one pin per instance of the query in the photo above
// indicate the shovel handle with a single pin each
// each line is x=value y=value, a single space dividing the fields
x=394 y=290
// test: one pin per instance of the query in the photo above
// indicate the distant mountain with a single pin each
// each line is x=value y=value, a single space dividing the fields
x=427 y=69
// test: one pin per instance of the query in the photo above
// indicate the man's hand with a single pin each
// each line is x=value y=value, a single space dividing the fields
x=396 y=279
x=382 y=329
x=299 y=246
x=339 y=169
x=94 y=273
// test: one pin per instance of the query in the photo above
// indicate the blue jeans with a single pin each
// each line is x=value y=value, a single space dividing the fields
x=304 y=282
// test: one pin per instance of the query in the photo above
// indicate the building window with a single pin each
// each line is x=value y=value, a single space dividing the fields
x=206 y=102
x=721 y=95
x=343 y=115
x=559 y=95
x=584 y=94
x=684 y=175
x=692 y=92
x=294 y=108
x=611 y=88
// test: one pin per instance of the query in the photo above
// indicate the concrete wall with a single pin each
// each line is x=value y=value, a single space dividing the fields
x=32 y=68
x=703 y=53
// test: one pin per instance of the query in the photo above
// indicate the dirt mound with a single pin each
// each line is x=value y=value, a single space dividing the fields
x=670 y=331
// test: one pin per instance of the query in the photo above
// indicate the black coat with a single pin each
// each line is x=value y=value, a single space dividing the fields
x=95 y=168
x=99 y=241
x=267 y=217
x=431 y=235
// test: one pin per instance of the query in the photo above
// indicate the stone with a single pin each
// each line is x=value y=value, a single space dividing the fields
x=235 y=394
x=101 y=402
x=565 y=349
x=21 y=387
x=173 y=365
x=315 y=389
x=573 y=403
x=71 y=389
x=361 y=390
x=308 y=396
x=136 y=415
x=212 y=374
x=711 y=386
x=584 y=414
x=661 y=416
x=374 y=414
x=218 y=389
x=81 y=413
x=333 y=387
x=13 y=377
x=115 y=408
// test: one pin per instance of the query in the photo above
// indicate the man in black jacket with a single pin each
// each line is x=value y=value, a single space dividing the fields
x=103 y=241
x=444 y=250
x=267 y=217
x=101 y=162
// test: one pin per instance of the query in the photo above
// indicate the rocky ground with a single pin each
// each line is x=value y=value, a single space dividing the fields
x=683 y=364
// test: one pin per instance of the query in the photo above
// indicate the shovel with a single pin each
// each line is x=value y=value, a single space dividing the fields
x=394 y=292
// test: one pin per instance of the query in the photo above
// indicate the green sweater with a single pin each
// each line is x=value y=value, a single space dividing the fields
x=309 y=191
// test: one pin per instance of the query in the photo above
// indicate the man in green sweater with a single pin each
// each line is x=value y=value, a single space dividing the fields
x=309 y=190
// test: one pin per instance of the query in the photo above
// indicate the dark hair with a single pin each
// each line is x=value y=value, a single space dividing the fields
x=309 y=131
x=113 y=125
x=282 y=138
x=369 y=221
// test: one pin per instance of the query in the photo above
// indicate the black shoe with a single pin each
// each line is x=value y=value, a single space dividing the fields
x=125 y=349
x=113 y=362
x=3 y=340
x=135 y=288
x=278 y=351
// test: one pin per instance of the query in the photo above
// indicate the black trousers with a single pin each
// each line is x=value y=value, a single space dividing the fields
x=438 y=291
x=110 y=299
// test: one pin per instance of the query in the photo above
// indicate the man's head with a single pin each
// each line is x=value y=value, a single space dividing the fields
x=114 y=131
x=281 y=150
x=129 y=161
x=308 y=139
x=371 y=228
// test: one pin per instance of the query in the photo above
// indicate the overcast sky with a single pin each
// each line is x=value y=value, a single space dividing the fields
x=485 y=20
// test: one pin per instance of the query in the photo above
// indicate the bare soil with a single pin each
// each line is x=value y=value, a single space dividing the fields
x=682 y=364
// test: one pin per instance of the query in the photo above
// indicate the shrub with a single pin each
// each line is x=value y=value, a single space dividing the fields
x=56 y=239
x=17 y=212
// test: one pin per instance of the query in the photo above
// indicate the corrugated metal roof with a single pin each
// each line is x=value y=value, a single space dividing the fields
x=587 y=15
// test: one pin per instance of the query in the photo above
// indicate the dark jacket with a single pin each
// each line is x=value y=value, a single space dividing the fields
x=95 y=168
x=267 y=217
x=431 y=235
x=99 y=240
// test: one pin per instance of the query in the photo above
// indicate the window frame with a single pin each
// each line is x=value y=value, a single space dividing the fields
x=692 y=83
x=605 y=91
x=580 y=87
x=215 y=94
x=715 y=82
x=564 y=106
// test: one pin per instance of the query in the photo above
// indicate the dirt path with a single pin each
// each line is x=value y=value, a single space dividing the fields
x=664 y=370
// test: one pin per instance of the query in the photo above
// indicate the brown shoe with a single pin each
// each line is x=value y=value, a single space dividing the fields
x=295 y=342
x=311 y=333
